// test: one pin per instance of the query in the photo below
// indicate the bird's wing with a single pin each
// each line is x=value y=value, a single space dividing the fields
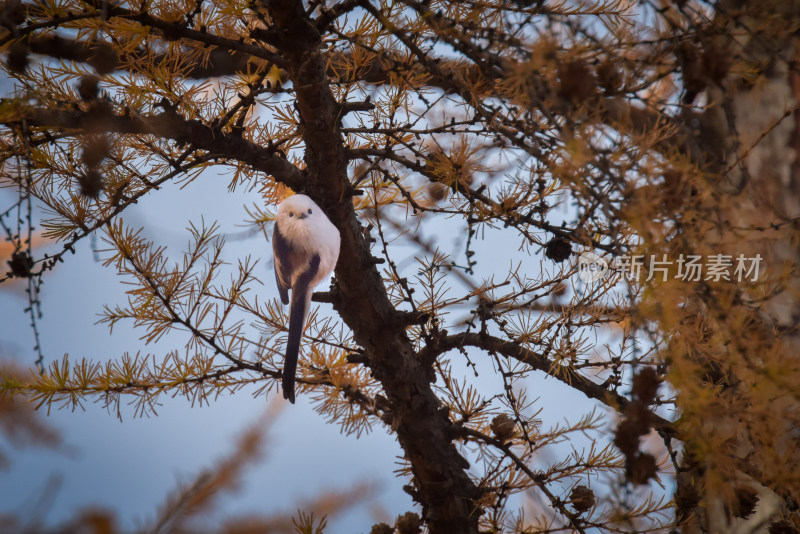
x=301 y=298
x=285 y=262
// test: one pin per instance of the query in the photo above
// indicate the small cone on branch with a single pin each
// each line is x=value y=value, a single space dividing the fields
x=503 y=427
x=558 y=249
x=581 y=498
x=409 y=523
x=91 y=183
x=381 y=528
x=17 y=58
x=87 y=88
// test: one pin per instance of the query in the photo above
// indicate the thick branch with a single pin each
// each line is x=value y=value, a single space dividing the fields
x=447 y=495
x=591 y=389
x=221 y=61
x=167 y=125
x=177 y=30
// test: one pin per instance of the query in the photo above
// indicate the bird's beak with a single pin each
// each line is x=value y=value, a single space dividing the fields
x=302 y=216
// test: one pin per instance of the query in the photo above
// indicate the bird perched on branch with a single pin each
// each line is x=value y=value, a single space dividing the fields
x=306 y=247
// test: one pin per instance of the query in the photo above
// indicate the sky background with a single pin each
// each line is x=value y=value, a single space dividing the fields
x=131 y=466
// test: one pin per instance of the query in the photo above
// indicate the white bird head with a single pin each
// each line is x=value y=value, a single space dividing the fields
x=297 y=211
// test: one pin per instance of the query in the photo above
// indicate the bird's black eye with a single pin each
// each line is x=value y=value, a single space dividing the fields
x=309 y=210
x=291 y=214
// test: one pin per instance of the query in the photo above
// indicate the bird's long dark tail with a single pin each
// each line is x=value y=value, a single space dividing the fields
x=301 y=299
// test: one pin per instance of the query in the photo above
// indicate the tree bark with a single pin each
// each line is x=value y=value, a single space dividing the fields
x=441 y=485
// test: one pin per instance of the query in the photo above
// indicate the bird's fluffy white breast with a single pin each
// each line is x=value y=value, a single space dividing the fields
x=325 y=241
x=314 y=235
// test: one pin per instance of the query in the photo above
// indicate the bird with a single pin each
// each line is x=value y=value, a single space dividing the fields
x=305 y=244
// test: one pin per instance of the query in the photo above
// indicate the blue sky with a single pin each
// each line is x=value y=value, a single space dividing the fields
x=131 y=466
